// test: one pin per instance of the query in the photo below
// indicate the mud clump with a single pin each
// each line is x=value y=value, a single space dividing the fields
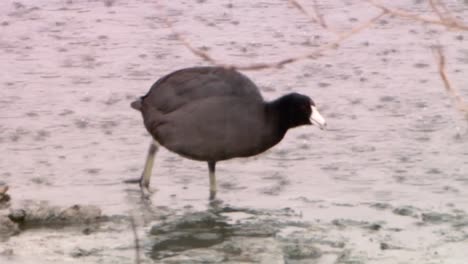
x=436 y=218
x=405 y=211
x=8 y=228
x=297 y=251
x=42 y=214
x=254 y=230
x=387 y=246
x=198 y=220
x=4 y=197
x=79 y=252
x=184 y=241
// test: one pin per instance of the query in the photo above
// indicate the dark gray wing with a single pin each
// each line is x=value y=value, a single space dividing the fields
x=187 y=85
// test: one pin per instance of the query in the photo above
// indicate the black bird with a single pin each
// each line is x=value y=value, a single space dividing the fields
x=213 y=114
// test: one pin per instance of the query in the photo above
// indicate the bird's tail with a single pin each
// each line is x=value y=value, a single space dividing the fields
x=137 y=104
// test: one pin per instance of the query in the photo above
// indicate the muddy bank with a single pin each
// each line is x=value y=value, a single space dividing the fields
x=232 y=234
x=44 y=233
x=35 y=215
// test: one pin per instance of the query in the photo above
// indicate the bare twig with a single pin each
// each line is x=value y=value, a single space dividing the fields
x=459 y=102
x=436 y=10
x=137 y=241
x=401 y=13
x=319 y=15
x=316 y=18
x=260 y=66
x=303 y=11
x=444 y=15
x=189 y=46
x=317 y=52
x=448 y=14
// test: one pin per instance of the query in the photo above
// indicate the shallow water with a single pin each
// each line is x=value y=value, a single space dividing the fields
x=70 y=69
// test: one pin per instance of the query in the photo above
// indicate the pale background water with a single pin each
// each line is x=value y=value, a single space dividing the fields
x=69 y=70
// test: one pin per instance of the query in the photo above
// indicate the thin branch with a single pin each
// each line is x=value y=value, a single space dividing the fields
x=316 y=18
x=448 y=14
x=319 y=15
x=436 y=10
x=303 y=11
x=459 y=102
x=198 y=52
x=260 y=66
x=405 y=14
x=317 y=52
x=445 y=17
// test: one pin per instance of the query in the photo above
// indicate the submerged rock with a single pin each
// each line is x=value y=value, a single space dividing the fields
x=387 y=246
x=266 y=250
x=232 y=248
x=197 y=221
x=175 y=239
x=80 y=252
x=301 y=251
x=198 y=256
x=260 y=229
x=461 y=223
x=381 y=206
x=180 y=241
x=437 y=218
x=193 y=230
x=405 y=211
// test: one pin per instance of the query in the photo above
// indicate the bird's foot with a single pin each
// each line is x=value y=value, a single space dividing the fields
x=212 y=195
x=215 y=203
x=145 y=191
x=144 y=187
x=213 y=200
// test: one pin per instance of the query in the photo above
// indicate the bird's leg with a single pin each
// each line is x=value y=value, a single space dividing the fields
x=144 y=180
x=211 y=168
x=146 y=174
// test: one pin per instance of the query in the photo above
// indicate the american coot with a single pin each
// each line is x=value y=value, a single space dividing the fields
x=212 y=114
